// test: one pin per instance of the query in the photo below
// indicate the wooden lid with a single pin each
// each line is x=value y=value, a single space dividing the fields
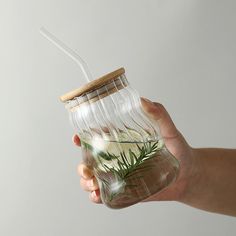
x=92 y=85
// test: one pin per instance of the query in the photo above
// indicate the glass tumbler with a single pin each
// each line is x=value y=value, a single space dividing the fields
x=119 y=142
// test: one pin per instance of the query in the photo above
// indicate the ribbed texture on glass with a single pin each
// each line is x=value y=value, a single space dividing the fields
x=110 y=110
x=121 y=144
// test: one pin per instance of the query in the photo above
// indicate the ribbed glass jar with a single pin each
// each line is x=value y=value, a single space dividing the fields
x=120 y=143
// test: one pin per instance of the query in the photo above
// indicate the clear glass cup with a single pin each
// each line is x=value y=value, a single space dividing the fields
x=120 y=143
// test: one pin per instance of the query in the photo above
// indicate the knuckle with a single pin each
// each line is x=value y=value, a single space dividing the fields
x=81 y=183
x=80 y=169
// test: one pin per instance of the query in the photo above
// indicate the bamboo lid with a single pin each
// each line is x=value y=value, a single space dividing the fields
x=93 y=85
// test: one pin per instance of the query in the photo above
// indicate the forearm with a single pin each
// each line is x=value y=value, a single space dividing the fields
x=212 y=184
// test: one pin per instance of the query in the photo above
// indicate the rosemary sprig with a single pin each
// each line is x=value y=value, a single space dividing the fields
x=128 y=166
x=125 y=164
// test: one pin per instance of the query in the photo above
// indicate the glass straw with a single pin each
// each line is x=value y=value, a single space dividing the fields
x=69 y=52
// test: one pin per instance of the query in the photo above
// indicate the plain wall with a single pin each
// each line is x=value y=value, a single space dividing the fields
x=180 y=53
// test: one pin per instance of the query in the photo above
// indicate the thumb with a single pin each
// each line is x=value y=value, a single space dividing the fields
x=158 y=113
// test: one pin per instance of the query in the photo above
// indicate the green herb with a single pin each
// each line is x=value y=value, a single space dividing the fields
x=126 y=164
x=123 y=166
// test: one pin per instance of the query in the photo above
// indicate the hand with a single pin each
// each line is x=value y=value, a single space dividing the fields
x=175 y=143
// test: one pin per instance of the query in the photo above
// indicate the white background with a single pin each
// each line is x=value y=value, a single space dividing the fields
x=180 y=53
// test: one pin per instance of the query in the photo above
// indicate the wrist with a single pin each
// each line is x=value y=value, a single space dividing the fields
x=193 y=177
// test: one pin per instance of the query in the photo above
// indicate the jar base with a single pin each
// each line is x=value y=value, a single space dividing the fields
x=162 y=172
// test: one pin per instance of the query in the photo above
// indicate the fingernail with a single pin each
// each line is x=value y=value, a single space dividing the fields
x=94 y=194
x=148 y=101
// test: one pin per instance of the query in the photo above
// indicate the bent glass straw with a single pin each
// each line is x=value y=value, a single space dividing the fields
x=69 y=52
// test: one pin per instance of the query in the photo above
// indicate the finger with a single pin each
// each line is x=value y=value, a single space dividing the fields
x=76 y=140
x=89 y=185
x=84 y=171
x=157 y=112
x=94 y=196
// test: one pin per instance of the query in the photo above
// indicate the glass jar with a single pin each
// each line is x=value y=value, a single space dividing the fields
x=119 y=142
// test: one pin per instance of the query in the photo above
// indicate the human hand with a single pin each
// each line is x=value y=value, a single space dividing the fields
x=175 y=143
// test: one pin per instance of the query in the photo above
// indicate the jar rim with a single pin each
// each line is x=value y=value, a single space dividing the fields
x=92 y=85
